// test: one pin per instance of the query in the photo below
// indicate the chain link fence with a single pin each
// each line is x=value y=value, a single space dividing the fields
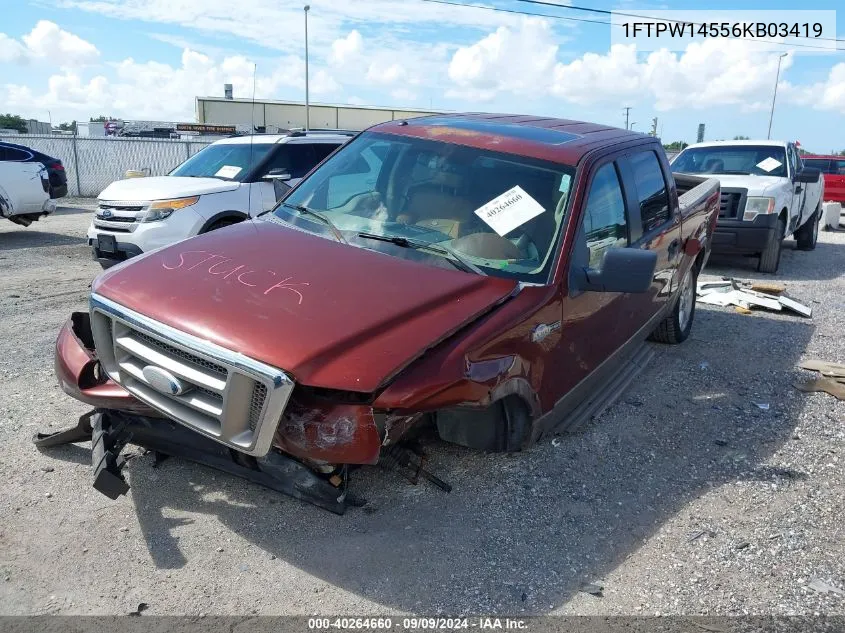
x=93 y=163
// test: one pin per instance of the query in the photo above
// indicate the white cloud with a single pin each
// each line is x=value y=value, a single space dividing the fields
x=48 y=42
x=157 y=91
x=11 y=50
x=824 y=95
x=403 y=95
x=346 y=49
x=482 y=69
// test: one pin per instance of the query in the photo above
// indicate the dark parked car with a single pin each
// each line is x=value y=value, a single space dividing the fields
x=489 y=277
x=55 y=169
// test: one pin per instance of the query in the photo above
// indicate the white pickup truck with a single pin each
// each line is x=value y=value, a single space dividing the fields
x=767 y=194
x=24 y=192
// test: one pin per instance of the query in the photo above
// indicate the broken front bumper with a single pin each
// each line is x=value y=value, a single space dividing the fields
x=327 y=435
x=110 y=431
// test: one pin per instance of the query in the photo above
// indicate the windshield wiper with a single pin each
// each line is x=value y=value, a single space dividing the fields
x=458 y=261
x=316 y=214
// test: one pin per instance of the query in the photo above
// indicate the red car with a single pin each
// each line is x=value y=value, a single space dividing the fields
x=489 y=277
x=833 y=168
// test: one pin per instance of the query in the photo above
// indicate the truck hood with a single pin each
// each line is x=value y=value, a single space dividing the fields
x=756 y=185
x=164 y=187
x=330 y=314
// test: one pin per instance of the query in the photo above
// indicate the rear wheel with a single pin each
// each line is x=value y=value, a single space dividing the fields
x=807 y=236
x=770 y=258
x=677 y=325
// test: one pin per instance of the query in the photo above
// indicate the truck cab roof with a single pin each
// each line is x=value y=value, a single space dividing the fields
x=559 y=140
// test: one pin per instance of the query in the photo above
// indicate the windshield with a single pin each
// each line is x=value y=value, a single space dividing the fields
x=755 y=160
x=496 y=213
x=228 y=161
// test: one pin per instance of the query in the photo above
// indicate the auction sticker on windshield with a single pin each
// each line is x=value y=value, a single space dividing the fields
x=509 y=210
x=769 y=164
x=228 y=171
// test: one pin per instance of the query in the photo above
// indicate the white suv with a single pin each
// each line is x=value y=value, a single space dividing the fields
x=229 y=181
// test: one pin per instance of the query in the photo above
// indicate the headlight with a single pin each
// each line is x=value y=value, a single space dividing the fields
x=163 y=208
x=755 y=206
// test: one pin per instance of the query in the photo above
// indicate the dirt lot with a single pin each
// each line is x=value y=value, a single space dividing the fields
x=685 y=497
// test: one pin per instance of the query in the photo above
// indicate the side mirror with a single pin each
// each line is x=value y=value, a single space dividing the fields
x=809 y=175
x=623 y=270
x=279 y=173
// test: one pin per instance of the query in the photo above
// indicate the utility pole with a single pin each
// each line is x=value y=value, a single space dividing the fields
x=307 y=102
x=654 y=126
x=627 y=114
x=774 y=96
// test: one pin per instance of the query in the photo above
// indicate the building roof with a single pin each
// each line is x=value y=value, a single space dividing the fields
x=558 y=140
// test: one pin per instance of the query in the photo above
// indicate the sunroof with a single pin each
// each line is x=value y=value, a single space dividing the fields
x=514 y=130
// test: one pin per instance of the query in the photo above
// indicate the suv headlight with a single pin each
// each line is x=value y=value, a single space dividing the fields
x=163 y=208
x=755 y=206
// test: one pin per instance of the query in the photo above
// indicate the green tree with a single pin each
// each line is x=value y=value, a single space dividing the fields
x=102 y=119
x=68 y=126
x=13 y=122
x=675 y=146
x=742 y=138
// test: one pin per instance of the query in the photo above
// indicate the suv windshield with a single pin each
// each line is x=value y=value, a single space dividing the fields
x=757 y=160
x=229 y=161
x=498 y=214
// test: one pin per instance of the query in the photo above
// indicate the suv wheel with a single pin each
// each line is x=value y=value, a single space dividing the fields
x=677 y=325
x=222 y=223
x=770 y=258
x=807 y=236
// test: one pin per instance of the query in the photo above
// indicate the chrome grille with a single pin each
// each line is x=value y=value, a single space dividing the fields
x=195 y=360
x=219 y=393
x=259 y=394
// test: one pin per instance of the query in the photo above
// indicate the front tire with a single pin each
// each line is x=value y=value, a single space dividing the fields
x=770 y=258
x=807 y=236
x=677 y=325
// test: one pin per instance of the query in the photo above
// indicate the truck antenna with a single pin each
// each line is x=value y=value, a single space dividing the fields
x=251 y=140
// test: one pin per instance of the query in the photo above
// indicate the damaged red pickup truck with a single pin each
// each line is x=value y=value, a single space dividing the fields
x=491 y=277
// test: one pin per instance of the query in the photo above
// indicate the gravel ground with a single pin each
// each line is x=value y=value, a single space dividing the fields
x=683 y=498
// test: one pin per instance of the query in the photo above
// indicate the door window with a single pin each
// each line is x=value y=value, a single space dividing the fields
x=293 y=158
x=604 y=222
x=321 y=150
x=15 y=154
x=652 y=194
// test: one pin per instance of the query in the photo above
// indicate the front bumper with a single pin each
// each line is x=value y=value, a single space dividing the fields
x=738 y=236
x=110 y=431
x=134 y=238
x=309 y=428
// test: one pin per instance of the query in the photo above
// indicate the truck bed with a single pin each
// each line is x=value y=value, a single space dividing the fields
x=694 y=192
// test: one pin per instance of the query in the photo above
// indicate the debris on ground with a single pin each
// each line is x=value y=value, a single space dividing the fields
x=592 y=588
x=748 y=295
x=763 y=406
x=832 y=382
x=821 y=586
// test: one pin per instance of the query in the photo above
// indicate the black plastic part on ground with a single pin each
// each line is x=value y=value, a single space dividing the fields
x=109 y=431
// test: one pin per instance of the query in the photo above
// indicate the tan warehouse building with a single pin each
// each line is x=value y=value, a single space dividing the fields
x=273 y=115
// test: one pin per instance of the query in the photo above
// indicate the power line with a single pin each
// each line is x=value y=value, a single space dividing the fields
x=501 y=10
x=603 y=11
x=645 y=17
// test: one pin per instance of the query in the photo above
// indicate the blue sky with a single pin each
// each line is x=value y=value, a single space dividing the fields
x=148 y=59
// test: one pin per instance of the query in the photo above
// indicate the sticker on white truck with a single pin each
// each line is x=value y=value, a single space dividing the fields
x=509 y=210
x=769 y=164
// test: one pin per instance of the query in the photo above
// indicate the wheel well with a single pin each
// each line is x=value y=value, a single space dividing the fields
x=238 y=216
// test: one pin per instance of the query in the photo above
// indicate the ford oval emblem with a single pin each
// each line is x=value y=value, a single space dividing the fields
x=163 y=381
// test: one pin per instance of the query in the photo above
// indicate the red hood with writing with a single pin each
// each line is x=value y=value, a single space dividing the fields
x=331 y=314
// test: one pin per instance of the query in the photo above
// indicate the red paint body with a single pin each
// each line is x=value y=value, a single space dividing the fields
x=407 y=337
x=833 y=174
